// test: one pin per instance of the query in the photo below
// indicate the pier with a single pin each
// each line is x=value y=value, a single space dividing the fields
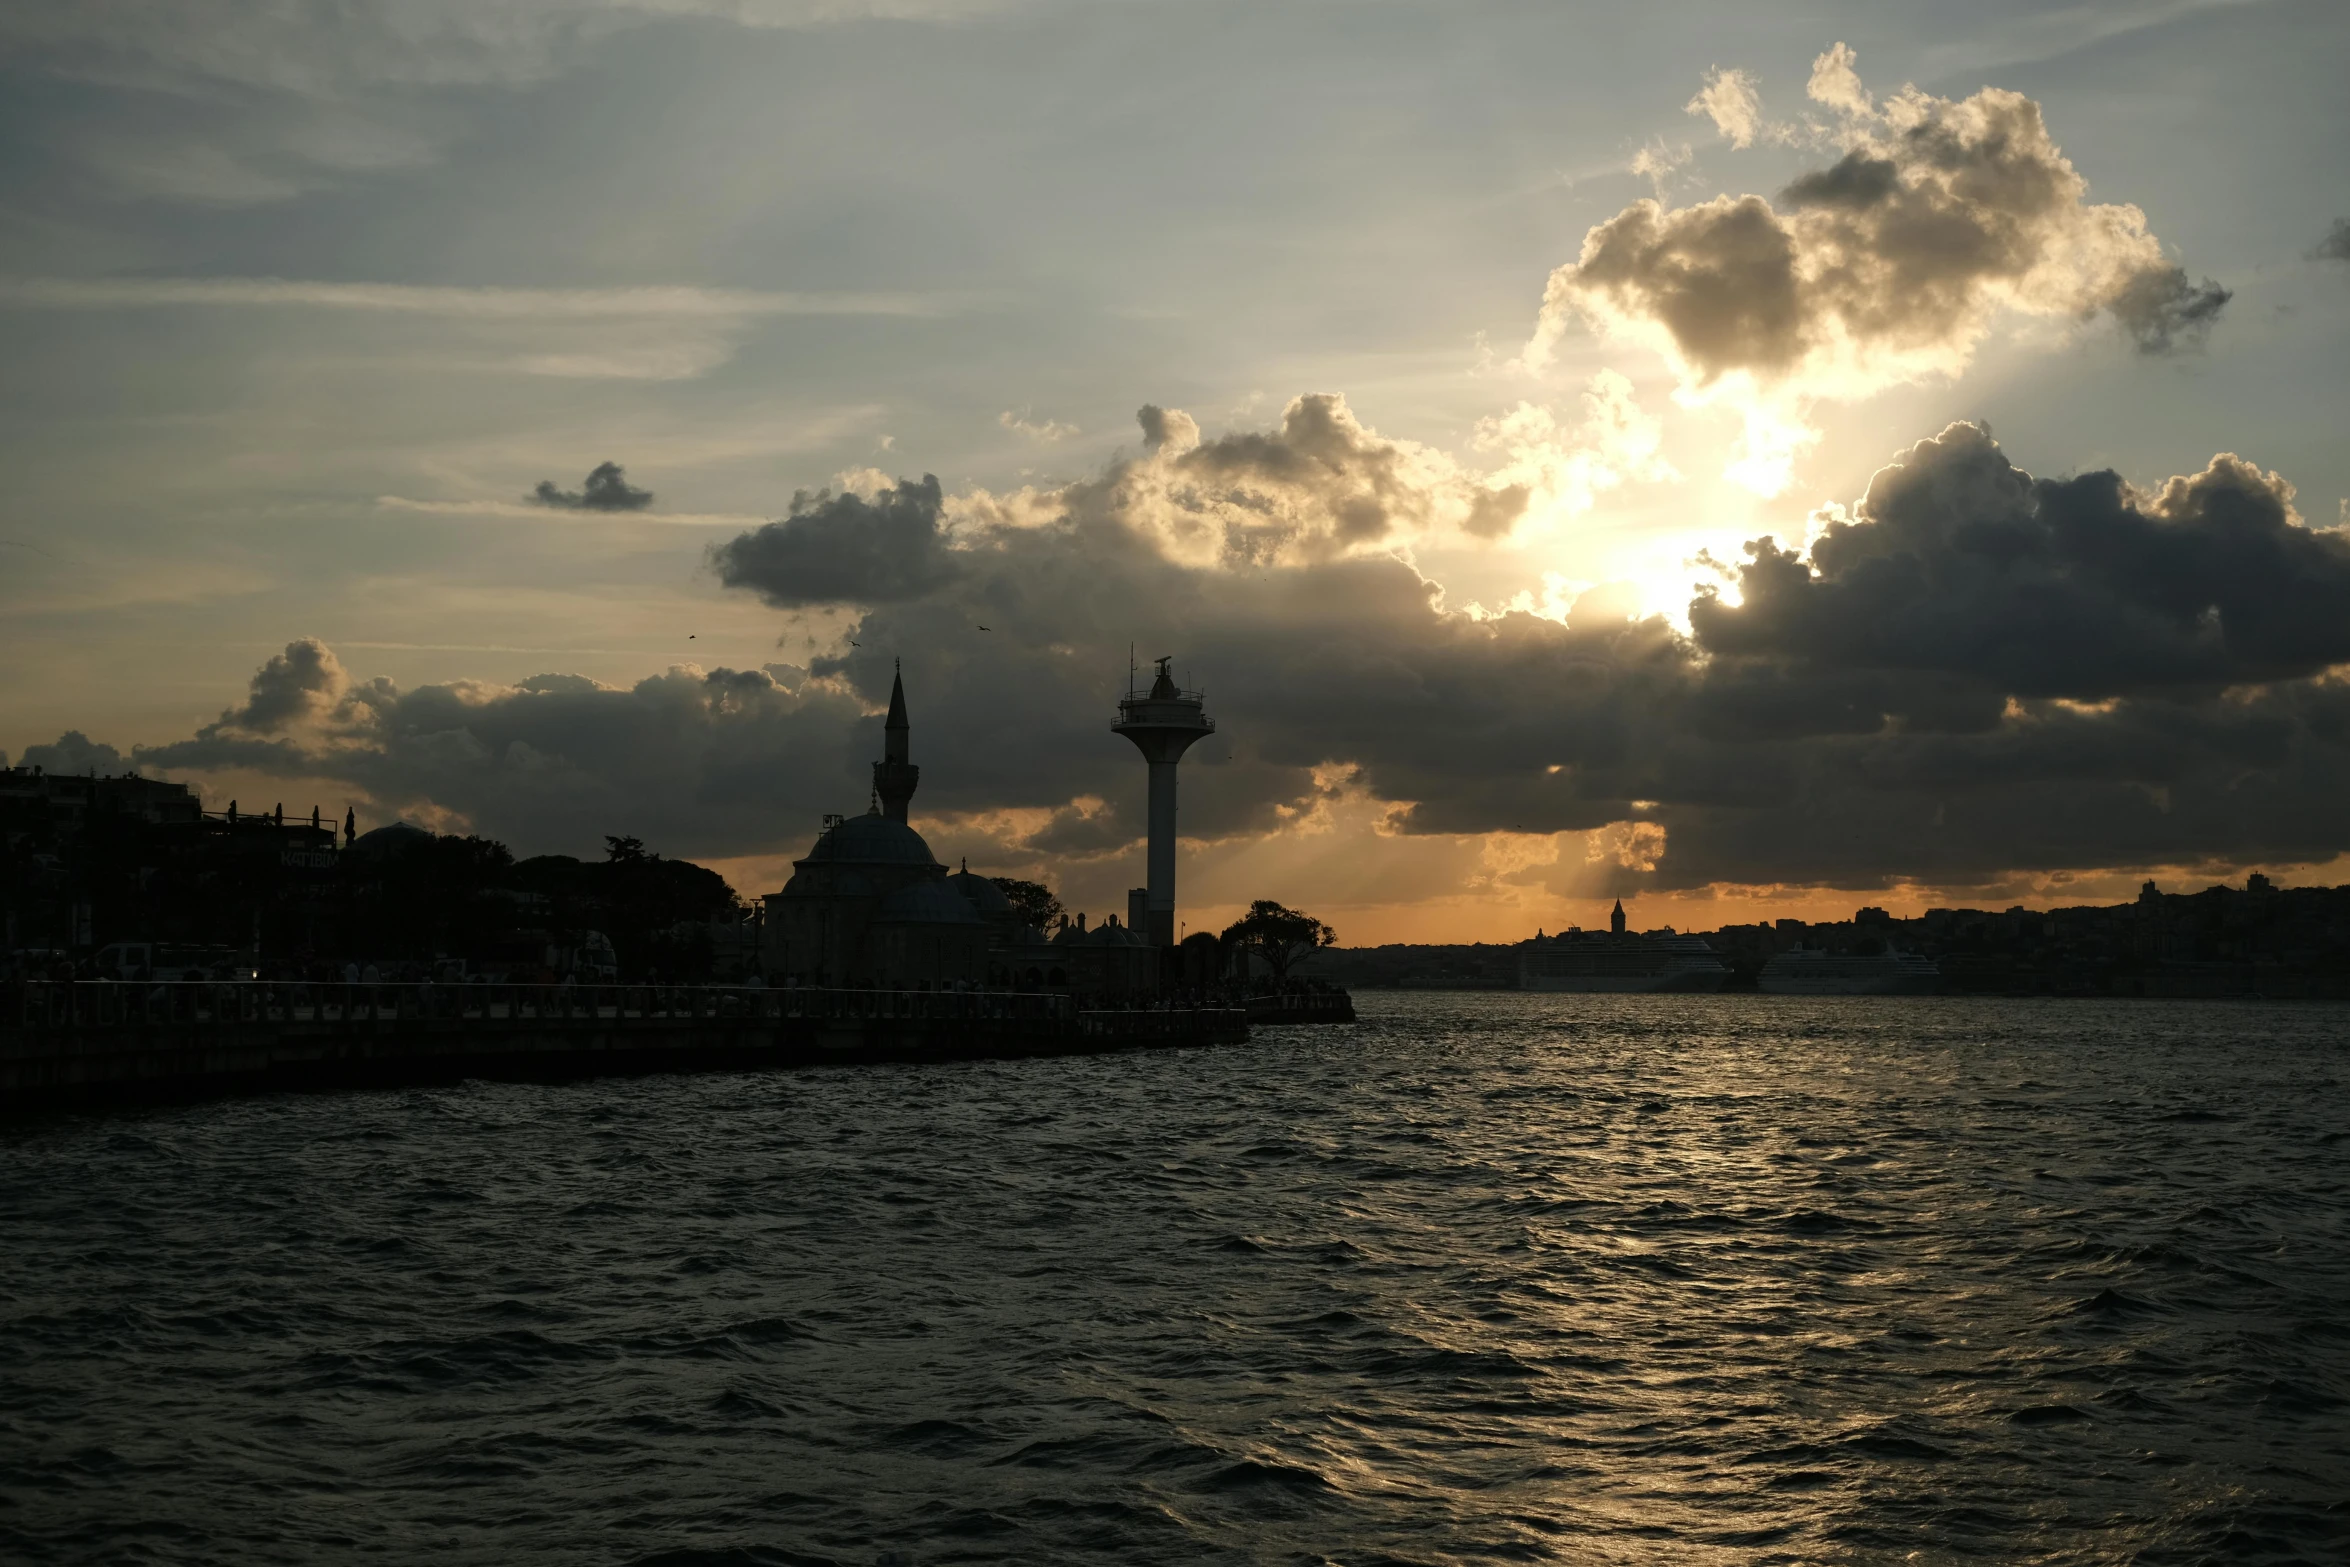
x=99 y=1042
x=1329 y=1005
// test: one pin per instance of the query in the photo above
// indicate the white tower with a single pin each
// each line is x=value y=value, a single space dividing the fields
x=1162 y=724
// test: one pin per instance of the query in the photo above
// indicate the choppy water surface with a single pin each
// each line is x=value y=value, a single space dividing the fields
x=1579 y=1279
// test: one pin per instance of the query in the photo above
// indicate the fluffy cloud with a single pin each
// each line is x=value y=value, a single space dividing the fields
x=1043 y=431
x=607 y=489
x=1729 y=99
x=1317 y=487
x=1835 y=82
x=299 y=683
x=839 y=549
x=1321 y=485
x=1886 y=266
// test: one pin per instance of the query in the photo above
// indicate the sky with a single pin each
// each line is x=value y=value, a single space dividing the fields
x=1750 y=460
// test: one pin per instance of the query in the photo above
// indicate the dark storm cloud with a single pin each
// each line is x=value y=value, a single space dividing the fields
x=1977 y=672
x=2336 y=245
x=607 y=489
x=1980 y=671
x=73 y=752
x=844 y=549
x=2146 y=782
x=1961 y=566
x=697 y=762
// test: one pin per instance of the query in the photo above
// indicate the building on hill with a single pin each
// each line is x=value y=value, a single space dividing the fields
x=1620 y=961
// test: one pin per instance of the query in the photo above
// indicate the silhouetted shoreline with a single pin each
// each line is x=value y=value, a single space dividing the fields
x=2257 y=941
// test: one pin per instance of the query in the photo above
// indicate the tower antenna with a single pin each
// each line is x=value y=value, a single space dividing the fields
x=1163 y=724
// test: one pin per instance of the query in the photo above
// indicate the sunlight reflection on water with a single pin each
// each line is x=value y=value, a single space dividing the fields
x=1592 y=1279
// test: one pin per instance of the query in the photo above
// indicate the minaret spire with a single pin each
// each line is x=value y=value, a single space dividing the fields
x=895 y=775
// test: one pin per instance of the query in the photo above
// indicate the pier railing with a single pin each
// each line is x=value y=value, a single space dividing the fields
x=60 y=1005
x=98 y=1041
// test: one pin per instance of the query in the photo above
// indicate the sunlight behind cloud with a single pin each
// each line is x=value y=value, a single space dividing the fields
x=1940 y=219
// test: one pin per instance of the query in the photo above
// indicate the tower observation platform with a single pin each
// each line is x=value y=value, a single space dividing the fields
x=1163 y=722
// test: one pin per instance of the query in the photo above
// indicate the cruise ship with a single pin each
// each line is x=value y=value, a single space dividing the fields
x=1588 y=961
x=1808 y=971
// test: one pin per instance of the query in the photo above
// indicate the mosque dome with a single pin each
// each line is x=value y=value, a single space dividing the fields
x=925 y=903
x=982 y=894
x=870 y=840
x=1106 y=934
x=389 y=839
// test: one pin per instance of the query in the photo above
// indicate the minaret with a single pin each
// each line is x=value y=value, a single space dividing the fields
x=1615 y=921
x=894 y=777
x=1162 y=726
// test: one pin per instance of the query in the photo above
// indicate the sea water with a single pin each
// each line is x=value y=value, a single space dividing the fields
x=1481 y=1278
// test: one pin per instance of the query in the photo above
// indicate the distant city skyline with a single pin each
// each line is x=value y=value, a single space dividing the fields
x=549 y=420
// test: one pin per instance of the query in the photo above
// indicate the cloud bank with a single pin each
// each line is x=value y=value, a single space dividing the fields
x=1971 y=672
x=708 y=761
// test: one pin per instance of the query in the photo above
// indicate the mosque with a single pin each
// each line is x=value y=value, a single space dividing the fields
x=870 y=905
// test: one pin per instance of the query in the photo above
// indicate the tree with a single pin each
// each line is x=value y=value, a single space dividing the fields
x=1032 y=901
x=625 y=851
x=1280 y=936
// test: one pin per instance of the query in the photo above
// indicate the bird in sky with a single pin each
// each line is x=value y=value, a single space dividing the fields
x=976 y=623
x=853 y=642
x=689 y=636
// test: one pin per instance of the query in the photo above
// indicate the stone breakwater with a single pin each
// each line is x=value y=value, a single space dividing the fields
x=98 y=1042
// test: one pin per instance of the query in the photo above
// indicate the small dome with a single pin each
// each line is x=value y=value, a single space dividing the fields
x=925 y=903
x=871 y=840
x=1102 y=935
x=980 y=893
x=391 y=838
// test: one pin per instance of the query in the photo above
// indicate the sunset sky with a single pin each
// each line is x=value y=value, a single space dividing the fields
x=1425 y=377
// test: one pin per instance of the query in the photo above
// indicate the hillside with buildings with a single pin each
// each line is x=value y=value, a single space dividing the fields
x=2255 y=940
